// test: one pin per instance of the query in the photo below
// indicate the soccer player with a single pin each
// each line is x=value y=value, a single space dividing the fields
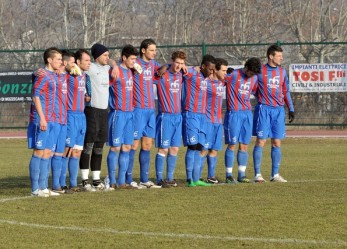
x=61 y=102
x=169 y=119
x=144 y=113
x=214 y=131
x=76 y=124
x=96 y=112
x=238 y=118
x=42 y=118
x=269 y=115
x=120 y=119
x=194 y=117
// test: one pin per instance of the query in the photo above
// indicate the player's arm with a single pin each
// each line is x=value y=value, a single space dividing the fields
x=88 y=93
x=114 y=72
x=39 y=84
x=288 y=98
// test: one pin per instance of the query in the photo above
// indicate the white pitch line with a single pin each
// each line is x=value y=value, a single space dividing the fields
x=177 y=235
x=15 y=198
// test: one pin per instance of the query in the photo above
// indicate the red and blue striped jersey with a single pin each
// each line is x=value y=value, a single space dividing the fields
x=76 y=86
x=61 y=99
x=44 y=87
x=143 y=84
x=215 y=92
x=194 y=92
x=121 y=91
x=273 y=87
x=239 y=89
x=169 y=88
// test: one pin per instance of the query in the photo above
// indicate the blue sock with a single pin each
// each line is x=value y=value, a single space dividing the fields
x=276 y=156
x=196 y=166
x=123 y=162
x=202 y=164
x=62 y=178
x=189 y=160
x=242 y=158
x=73 y=171
x=112 y=160
x=159 y=166
x=229 y=162
x=34 y=172
x=211 y=163
x=145 y=159
x=257 y=157
x=171 y=166
x=56 y=170
x=129 y=174
x=43 y=173
x=48 y=171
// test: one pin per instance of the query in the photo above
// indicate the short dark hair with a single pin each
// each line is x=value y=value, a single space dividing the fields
x=272 y=49
x=49 y=53
x=67 y=54
x=145 y=44
x=129 y=50
x=253 y=64
x=230 y=70
x=80 y=52
x=179 y=54
x=220 y=62
x=208 y=59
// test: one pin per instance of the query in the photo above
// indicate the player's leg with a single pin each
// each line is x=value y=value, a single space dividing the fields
x=244 y=140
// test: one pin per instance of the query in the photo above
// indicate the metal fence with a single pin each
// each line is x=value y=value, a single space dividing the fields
x=312 y=109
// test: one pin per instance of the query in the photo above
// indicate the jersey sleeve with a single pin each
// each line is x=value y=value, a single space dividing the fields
x=39 y=85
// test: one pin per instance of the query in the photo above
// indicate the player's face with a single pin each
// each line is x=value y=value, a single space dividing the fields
x=149 y=53
x=177 y=65
x=103 y=59
x=276 y=59
x=69 y=64
x=208 y=69
x=220 y=74
x=84 y=63
x=55 y=62
x=130 y=61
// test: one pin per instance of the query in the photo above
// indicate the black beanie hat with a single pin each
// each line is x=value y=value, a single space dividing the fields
x=97 y=50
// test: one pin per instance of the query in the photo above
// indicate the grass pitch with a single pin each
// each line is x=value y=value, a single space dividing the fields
x=307 y=212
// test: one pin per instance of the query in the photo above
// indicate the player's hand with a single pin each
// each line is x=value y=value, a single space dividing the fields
x=43 y=125
x=162 y=70
x=40 y=72
x=137 y=68
x=198 y=69
x=291 y=116
x=75 y=70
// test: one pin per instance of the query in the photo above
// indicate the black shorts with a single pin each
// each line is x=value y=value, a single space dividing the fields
x=97 y=125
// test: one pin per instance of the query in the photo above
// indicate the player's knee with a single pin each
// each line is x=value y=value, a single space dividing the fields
x=88 y=148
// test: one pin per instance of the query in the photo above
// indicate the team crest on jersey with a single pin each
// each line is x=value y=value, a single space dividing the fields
x=136 y=133
x=192 y=139
x=203 y=85
x=244 y=88
x=175 y=86
x=147 y=73
x=68 y=140
x=116 y=140
x=260 y=133
x=129 y=84
x=274 y=82
x=220 y=89
x=233 y=139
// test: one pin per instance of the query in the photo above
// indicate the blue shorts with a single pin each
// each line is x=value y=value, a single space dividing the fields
x=269 y=122
x=76 y=130
x=60 y=131
x=214 y=136
x=144 y=123
x=194 y=128
x=238 y=127
x=168 y=131
x=38 y=139
x=120 y=128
